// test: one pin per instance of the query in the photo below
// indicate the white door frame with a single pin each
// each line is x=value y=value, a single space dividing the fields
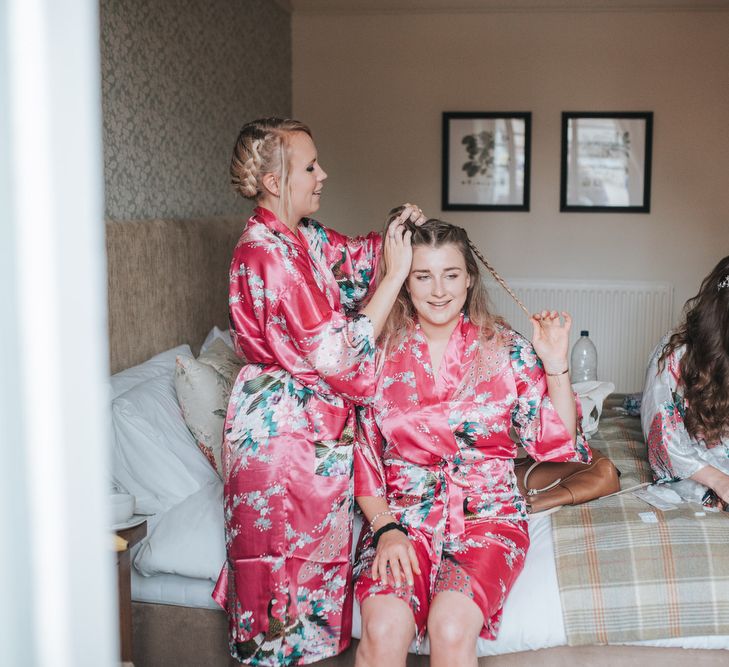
x=57 y=595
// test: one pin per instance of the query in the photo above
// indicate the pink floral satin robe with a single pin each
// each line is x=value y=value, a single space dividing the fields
x=288 y=438
x=441 y=451
x=672 y=453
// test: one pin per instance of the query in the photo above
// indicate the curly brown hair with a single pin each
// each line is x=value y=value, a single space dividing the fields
x=704 y=366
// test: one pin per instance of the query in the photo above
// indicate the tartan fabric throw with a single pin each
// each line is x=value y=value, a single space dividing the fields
x=622 y=579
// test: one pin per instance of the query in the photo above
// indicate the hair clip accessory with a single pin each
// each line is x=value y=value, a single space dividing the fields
x=724 y=283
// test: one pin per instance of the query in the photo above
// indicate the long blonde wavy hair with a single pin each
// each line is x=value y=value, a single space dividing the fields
x=436 y=233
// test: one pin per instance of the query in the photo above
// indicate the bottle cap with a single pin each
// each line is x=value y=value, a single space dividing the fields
x=584 y=332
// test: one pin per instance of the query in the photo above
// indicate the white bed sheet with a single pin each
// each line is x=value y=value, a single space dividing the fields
x=173 y=589
x=532 y=614
x=170 y=588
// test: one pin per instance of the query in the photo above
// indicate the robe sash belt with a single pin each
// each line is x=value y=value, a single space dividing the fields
x=434 y=448
x=455 y=485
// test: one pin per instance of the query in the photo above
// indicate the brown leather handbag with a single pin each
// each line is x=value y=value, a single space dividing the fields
x=549 y=486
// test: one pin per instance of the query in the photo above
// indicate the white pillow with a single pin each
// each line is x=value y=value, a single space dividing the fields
x=161 y=364
x=154 y=455
x=217 y=334
x=189 y=539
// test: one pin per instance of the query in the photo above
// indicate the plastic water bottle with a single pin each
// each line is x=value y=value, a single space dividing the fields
x=583 y=359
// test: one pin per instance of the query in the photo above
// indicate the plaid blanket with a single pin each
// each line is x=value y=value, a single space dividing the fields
x=623 y=578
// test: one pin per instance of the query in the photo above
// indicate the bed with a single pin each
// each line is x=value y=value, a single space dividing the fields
x=612 y=582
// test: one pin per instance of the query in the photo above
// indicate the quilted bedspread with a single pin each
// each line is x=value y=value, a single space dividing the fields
x=628 y=571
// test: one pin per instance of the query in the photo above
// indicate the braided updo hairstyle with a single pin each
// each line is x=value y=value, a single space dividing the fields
x=261 y=149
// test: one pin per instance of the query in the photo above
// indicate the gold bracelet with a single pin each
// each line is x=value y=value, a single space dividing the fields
x=554 y=375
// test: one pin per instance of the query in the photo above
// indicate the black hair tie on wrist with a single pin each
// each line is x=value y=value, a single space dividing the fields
x=393 y=525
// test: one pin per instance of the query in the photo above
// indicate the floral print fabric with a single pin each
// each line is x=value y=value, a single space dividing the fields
x=441 y=449
x=672 y=453
x=288 y=438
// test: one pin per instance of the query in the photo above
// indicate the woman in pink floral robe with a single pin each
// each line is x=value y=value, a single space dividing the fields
x=295 y=291
x=456 y=392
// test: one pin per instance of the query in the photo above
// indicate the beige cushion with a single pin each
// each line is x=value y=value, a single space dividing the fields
x=203 y=388
x=223 y=359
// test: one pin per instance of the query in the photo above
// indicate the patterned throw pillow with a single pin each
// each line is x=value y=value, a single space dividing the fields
x=223 y=359
x=203 y=388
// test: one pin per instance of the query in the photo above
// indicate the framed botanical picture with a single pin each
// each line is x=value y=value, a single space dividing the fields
x=486 y=161
x=606 y=162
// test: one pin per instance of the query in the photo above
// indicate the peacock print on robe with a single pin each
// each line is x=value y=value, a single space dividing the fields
x=441 y=450
x=288 y=438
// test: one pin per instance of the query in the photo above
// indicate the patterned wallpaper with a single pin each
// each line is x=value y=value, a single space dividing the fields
x=179 y=78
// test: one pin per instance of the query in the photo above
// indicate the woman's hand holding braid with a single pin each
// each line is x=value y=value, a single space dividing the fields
x=551 y=342
x=550 y=338
x=398 y=251
x=414 y=214
x=397 y=248
x=397 y=257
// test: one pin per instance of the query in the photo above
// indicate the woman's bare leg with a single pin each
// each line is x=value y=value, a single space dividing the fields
x=388 y=627
x=454 y=624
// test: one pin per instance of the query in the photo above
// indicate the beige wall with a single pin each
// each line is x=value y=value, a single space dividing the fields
x=373 y=88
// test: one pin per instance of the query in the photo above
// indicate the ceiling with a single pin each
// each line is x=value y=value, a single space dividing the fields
x=459 y=6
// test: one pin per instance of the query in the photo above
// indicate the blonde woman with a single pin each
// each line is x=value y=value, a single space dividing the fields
x=296 y=290
x=457 y=390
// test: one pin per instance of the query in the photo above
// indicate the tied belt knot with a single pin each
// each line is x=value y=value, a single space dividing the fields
x=454 y=483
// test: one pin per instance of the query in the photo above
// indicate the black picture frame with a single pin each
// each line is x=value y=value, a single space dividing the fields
x=486 y=160
x=606 y=162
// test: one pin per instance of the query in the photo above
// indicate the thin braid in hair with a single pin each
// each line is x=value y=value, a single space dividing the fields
x=252 y=167
x=497 y=277
x=261 y=148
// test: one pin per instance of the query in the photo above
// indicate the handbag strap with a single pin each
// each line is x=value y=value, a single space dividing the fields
x=628 y=490
x=534 y=492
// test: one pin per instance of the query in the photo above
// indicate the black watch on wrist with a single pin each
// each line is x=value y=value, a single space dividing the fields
x=393 y=525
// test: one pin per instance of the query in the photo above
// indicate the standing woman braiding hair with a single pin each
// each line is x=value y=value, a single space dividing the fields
x=296 y=290
x=685 y=407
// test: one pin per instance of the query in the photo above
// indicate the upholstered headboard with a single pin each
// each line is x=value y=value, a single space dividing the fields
x=168 y=284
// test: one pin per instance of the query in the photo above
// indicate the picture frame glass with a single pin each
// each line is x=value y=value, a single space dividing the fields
x=606 y=162
x=487 y=161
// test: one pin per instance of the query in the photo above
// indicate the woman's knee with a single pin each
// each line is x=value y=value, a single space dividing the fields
x=387 y=621
x=455 y=625
x=449 y=633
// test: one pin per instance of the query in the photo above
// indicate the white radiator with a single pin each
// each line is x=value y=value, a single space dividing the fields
x=625 y=319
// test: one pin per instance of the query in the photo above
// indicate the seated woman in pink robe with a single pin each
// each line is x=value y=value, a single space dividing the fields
x=457 y=391
x=296 y=313
x=685 y=408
